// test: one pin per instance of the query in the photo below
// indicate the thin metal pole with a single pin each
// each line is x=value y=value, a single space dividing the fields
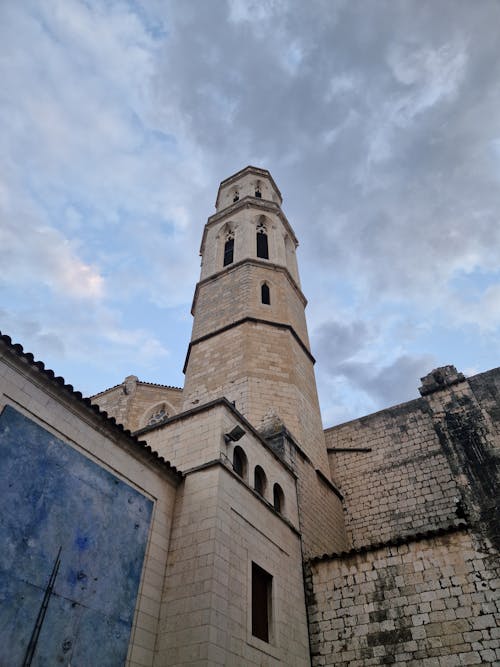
x=30 y=651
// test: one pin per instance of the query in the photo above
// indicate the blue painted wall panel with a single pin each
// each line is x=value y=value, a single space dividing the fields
x=52 y=496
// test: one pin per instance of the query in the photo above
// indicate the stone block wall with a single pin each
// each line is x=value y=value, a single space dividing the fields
x=486 y=389
x=393 y=474
x=321 y=512
x=431 y=602
x=269 y=372
x=466 y=423
x=197 y=438
x=234 y=293
x=220 y=527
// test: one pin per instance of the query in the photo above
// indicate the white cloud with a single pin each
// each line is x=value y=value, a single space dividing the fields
x=119 y=119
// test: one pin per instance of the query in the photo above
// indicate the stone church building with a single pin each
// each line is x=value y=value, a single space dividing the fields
x=220 y=524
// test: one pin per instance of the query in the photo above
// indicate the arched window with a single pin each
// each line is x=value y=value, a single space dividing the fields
x=258 y=193
x=229 y=249
x=278 y=498
x=157 y=414
x=262 y=247
x=236 y=196
x=265 y=294
x=259 y=483
x=239 y=462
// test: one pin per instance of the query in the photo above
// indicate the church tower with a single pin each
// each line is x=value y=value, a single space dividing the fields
x=249 y=341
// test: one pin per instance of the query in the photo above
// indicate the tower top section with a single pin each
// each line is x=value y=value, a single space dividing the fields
x=248 y=182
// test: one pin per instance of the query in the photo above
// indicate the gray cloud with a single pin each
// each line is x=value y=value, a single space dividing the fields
x=391 y=384
x=336 y=342
x=379 y=122
x=348 y=352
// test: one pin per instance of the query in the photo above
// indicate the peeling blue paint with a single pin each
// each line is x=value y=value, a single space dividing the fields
x=54 y=496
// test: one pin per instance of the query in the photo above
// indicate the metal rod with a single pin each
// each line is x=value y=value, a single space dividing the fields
x=30 y=651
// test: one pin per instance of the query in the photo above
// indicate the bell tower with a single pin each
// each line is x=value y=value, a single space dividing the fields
x=249 y=341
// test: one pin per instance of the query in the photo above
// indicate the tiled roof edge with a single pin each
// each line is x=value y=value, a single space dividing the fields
x=395 y=542
x=110 y=422
x=150 y=384
x=157 y=384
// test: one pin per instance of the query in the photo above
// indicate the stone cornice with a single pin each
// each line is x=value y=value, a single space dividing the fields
x=253 y=320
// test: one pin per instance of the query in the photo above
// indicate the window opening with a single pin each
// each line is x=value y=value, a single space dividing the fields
x=239 y=462
x=262 y=246
x=262 y=583
x=229 y=250
x=265 y=294
x=258 y=193
x=259 y=480
x=236 y=196
x=157 y=415
x=278 y=498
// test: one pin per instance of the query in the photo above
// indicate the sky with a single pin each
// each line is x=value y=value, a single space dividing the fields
x=379 y=121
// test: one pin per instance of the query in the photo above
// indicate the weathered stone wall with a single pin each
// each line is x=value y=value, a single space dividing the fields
x=433 y=602
x=470 y=440
x=421 y=466
x=321 y=513
x=424 y=463
x=401 y=483
x=486 y=389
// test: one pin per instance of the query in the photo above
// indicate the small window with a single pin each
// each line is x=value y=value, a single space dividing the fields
x=157 y=415
x=265 y=294
x=259 y=480
x=278 y=498
x=229 y=251
x=262 y=247
x=239 y=462
x=258 y=193
x=262 y=584
x=236 y=196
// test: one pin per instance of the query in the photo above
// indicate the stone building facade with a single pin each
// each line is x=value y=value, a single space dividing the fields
x=236 y=529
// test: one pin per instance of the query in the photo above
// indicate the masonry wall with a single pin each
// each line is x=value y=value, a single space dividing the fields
x=235 y=293
x=265 y=371
x=73 y=431
x=467 y=430
x=321 y=513
x=486 y=389
x=401 y=482
x=197 y=438
x=433 y=602
x=221 y=526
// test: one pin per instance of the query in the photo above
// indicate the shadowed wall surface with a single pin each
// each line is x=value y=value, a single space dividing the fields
x=53 y=496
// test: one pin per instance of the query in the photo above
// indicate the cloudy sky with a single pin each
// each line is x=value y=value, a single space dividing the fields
x=380 y=122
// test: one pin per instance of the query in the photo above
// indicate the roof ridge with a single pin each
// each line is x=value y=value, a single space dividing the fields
x=151 y=384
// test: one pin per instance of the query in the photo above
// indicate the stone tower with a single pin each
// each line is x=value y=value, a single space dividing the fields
x=250 y=342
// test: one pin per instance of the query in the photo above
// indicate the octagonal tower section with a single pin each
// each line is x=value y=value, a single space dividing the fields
x=250 y=342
